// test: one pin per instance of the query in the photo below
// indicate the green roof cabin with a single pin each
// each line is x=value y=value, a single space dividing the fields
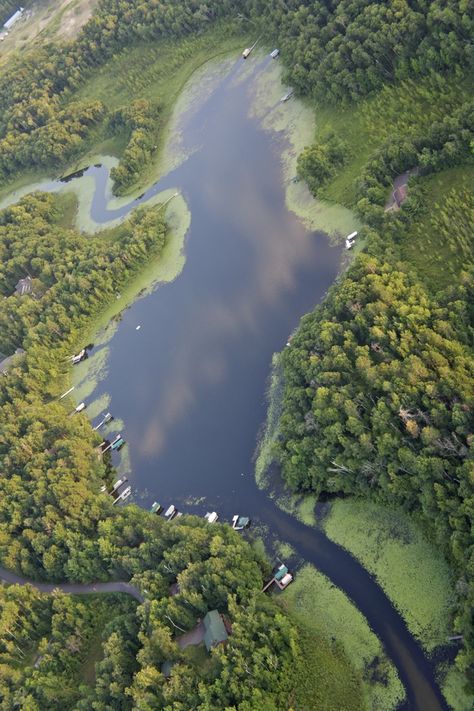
x=214 y=630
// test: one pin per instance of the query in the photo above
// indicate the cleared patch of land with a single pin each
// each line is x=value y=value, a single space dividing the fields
x=347 y=669
x=411 y=570
x=46 y=21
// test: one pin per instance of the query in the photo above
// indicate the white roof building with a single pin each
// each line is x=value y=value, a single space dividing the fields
x=14 y=18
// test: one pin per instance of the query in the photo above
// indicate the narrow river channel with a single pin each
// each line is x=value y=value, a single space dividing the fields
x=189 y=385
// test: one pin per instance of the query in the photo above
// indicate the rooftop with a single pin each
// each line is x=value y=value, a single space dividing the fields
x=214 y=629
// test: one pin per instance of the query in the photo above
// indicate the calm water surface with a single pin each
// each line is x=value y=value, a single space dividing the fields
x=190 y=384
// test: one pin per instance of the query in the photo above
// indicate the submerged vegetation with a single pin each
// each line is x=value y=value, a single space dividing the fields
x=410 y=569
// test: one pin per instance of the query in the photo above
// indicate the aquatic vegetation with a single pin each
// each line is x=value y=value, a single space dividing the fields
x=327 y=614
x=411 y=570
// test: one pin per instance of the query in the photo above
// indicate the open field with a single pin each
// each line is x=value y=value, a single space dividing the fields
x=46 y=21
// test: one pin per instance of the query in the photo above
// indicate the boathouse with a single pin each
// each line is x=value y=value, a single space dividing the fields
x=214 y=630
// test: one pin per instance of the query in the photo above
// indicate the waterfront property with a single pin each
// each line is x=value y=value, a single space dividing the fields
x=282 y=578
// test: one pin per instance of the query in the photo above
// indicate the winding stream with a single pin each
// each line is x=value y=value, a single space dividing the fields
x=189 y=385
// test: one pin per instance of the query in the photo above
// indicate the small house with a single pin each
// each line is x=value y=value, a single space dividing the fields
x=275 y=53
x=214 y=630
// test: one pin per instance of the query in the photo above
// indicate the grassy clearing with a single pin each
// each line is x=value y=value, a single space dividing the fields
x=347 y=666
x=405 y=109
x=45 y=21
x=439 y=241
x=409 y=568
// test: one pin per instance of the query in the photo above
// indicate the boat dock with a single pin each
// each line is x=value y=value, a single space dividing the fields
x=282 y=578
x=107 y=418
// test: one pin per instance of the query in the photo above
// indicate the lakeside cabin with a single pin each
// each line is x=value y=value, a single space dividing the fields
x=214 y=630
x=275 y=53
x=156 y=508
x=211 y=517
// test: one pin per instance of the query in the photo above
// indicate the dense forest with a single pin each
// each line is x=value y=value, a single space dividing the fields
x=378 y=380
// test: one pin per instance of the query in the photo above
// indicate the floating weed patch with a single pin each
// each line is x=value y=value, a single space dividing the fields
x=293 y=122
x=305 y=510
x=411 y=570
x=88 y=374
x=325 y=611
x=96 y=407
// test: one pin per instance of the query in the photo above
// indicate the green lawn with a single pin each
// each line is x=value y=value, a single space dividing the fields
x=411 y=570
x=346 y=667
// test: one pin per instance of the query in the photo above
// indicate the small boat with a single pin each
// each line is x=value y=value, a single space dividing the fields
x=80 y=407
x=107 y=418
x=156 y=508
x=275 y=53
x=80 y=356
x=246 y=52
x=171 y=512
x=287 y=96
x=350 y=239
x=240 y=522
x=211 y=517
x=118 y=484
x=117 y=443
x=285 y=581
x=124 y=495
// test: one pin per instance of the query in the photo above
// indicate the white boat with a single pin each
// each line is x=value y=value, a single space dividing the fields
x=126 y=493
x=81 y=407
x=246 y=52
x=350 y=239
x=80 y=356
x=211 y=517
x=118 y=484
x=171 y=512
x=287 y=96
